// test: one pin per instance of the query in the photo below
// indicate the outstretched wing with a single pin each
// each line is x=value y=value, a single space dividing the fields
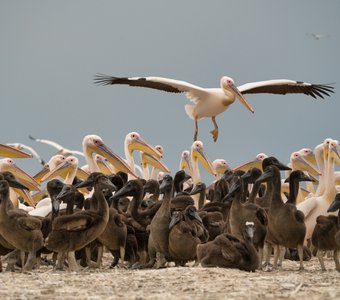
x=76 y=152
x=193 y=92
x=48 y=142
x=285 y=86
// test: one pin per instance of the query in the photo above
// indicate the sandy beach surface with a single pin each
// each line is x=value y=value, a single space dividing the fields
x=174 y=283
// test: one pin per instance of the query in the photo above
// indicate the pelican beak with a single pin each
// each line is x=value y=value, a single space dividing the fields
x=185 y=164
x=304 y=165
x=9 y=151
x=38 y=196
x=26 y=179
x=26 y=196
x=221 y=169
x=255 y=163
x=81 y=174
x=104 y=166
x=118 y=163
x=313 y=179
x=285 y=186
x=38 y=177
x=238 y=95
x=311 y=159
x=61 y=170
x=336 y=153
x=304 y=192
x=204 y=160
x=141 y=145
x=155 y=162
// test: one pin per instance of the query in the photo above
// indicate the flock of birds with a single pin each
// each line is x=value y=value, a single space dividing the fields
x=148 y=218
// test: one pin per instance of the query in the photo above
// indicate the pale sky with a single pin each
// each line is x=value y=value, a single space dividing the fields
x=51 y=50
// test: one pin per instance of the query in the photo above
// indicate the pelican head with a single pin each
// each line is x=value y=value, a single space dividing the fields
x=299 y=163
x=220 y=165
x=197 y=152
x=334 y=149
x=160 y=149
x=133 y=141
x=308 y=154
x=67 y=167
x=104 y=165
x=95 y=144
x=54 y=161
x=254 y=163
x=160 y=176
x=227 y=84
x=185 y=162
x=13 y=152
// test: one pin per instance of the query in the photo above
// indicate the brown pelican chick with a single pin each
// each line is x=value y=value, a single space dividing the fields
x=73 y=232
x=18 y=228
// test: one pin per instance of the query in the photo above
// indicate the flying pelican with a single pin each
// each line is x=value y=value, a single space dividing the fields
x=208 y=103
x=319 y=36
x=30 y=149
x=61 y=149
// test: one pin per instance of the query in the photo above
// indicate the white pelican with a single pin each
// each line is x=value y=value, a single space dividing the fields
x=54 y=161
x=157 y=166
x=208 y=103
x=133 y=141
x=298 y=162
x=95 y=144
x=30 y=149
x=198 y=155
x=154 y=169
x=67 y=169
x=185 y=162
x=318 y=204
x=61 y=149
x=309 y=156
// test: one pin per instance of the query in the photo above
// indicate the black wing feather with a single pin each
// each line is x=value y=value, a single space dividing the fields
x=102 y=79
x=313 y=90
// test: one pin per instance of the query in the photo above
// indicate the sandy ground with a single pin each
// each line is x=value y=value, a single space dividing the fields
x=174 y=283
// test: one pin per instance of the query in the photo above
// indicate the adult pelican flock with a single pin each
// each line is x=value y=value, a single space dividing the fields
x=210 y=102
